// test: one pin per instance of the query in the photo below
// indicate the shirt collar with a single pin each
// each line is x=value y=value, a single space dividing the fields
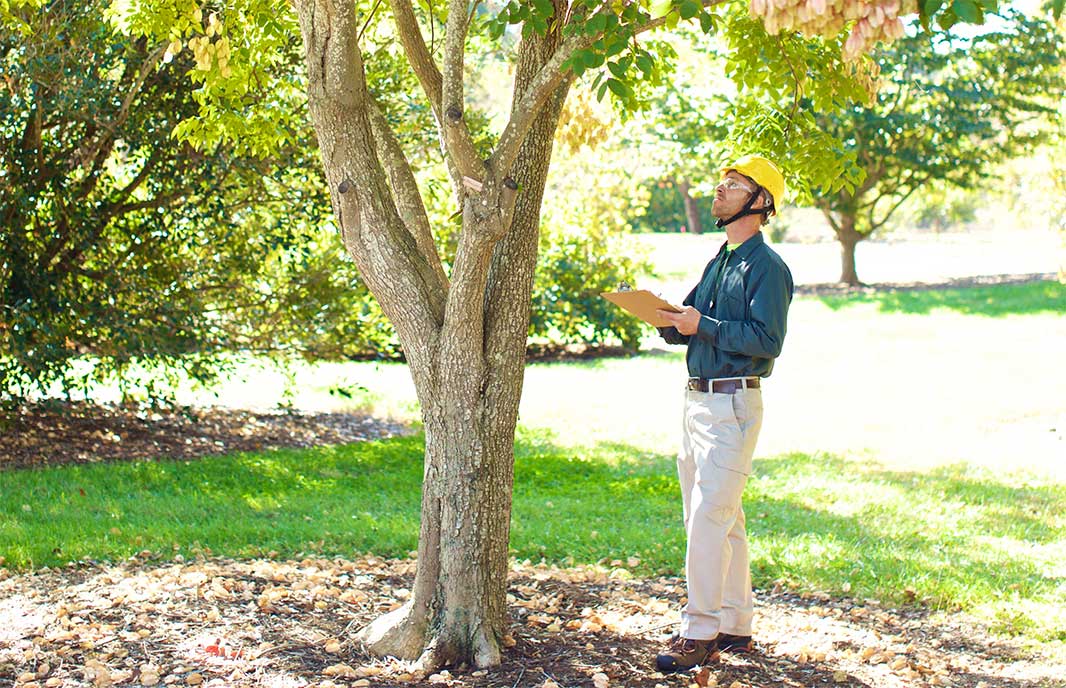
x=749 y=246
x=745 y=249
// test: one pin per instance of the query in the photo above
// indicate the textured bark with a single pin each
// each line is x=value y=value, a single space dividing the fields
x=692 y=210
x=849 y=239
x=464 y=340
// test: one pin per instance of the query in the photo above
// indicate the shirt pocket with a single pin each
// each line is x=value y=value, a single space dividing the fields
x=732 y=301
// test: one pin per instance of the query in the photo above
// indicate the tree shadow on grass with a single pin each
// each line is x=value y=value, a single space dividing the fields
x=944 y=539
x=1032 y=298
x=607 y=502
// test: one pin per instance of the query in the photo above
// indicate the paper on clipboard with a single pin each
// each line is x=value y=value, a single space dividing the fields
x=643 y=304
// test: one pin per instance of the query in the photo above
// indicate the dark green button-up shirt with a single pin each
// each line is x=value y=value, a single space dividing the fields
x=742 y=323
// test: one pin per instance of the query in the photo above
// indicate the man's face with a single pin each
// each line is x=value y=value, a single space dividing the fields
x=731 y=194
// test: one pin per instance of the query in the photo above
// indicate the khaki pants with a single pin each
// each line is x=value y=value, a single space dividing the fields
x=718 y=442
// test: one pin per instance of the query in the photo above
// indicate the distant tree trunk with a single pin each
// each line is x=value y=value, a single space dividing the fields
x=849 y=239
x=692 y=208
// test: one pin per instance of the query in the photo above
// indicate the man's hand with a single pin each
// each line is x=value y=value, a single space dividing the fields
x=686 y=322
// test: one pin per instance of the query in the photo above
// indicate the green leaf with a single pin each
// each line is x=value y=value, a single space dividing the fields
x=947 y=19
x=968 y=11
x=597 y=24
x=576 y=63
x=620 y=89
x=932 y=6
x=615 y=45
x=689 y=9
x=660 y=8
x=617 y=69
x=645 y=64
x=707 y=22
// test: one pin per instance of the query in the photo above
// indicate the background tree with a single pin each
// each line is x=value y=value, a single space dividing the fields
x=680 y=132
x=948 y=109
x=146 y=259
x=124 y=244
x=464 y=328
x=730 y=97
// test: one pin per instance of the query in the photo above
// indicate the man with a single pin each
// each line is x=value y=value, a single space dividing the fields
x=734 y=324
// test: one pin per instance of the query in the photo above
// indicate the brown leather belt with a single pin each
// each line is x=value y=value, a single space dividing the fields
x=700 y=384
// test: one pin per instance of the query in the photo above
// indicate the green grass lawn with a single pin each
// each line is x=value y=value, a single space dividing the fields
x=952 y=538
x=995 y=301
x=909 y=453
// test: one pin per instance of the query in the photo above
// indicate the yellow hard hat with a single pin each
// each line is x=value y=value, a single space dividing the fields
x=765 y=173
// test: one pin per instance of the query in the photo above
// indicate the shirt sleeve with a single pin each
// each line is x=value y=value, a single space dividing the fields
x=763 y=334
x=670 y=334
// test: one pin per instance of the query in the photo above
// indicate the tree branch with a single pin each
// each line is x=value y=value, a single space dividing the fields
x=870 y=215
x=828 y=212
x=525 y=110
x=461 y=156
x=425 y=68
x=59 y=243
x=405 y=190
x=87 y=155
x=386 y=253
x=454 y=131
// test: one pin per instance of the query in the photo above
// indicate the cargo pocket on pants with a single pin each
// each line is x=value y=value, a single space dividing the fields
x=725 y=472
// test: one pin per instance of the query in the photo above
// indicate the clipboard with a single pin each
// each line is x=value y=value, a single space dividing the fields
x=643 y=304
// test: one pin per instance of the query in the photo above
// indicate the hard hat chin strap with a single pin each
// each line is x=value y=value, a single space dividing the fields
x=746 y=210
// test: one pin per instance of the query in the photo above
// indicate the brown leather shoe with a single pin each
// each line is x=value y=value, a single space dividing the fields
x=685 y=653
x=738 y=644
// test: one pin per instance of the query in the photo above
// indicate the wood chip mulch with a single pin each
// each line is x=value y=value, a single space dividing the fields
x=53 y=433
x=216 y=622
x=841 y=289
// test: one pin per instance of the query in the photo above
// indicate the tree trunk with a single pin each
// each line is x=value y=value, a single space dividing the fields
x=848 y=238
x=692 y=209
x=457 y=614
x=466 y=351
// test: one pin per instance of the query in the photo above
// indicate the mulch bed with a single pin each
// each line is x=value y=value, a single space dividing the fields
x=217 y=622
x=839 y=289
x=56 y=433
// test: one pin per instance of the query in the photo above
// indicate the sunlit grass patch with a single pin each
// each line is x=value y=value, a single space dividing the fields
x=953 y=538
x=1030 y=298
